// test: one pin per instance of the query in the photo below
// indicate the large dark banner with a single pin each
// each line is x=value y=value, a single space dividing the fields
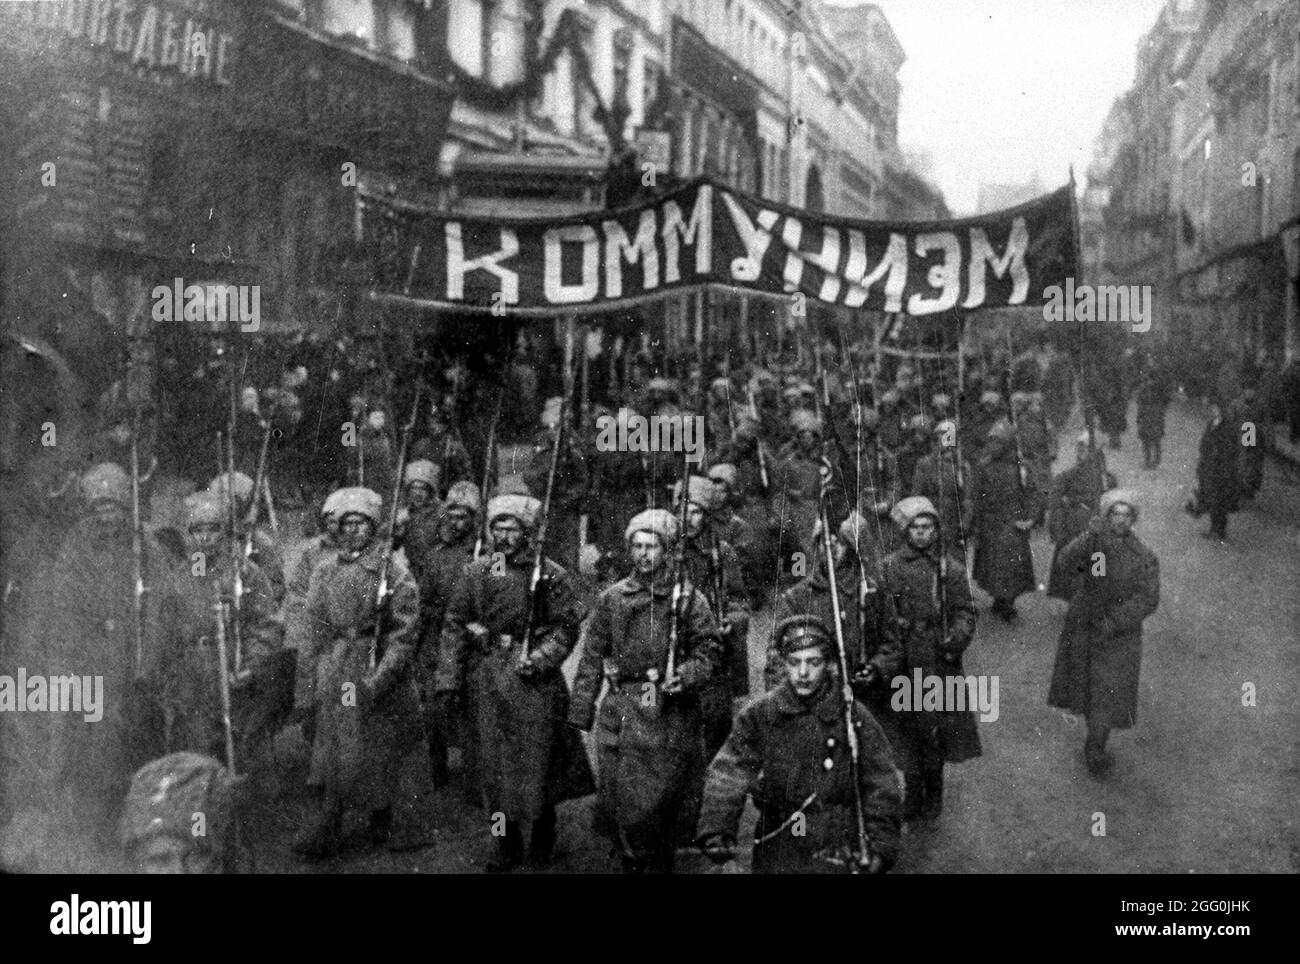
x=704 y=233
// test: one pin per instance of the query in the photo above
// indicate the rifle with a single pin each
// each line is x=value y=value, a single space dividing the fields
x=259 y=483
x=539 y=550
x=679 y=578
x=223 y=679
x=762 y=457
x=137 y=547
x=863 y=849
x=227 y=451
x=383 y=590
x=489 y=459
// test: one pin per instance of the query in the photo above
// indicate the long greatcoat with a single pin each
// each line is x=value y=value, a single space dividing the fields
x=528 y=759
x=358 y=748
x=781 y=751
x=912 y=579
x=649 y=746
x=1004 y=564
x=1217 y=477
x=1100 y=650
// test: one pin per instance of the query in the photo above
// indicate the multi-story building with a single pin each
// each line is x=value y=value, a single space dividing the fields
x=1204 y=189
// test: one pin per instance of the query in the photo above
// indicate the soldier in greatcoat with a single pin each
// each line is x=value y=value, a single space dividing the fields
x=788 y=750
x=511 y=657
x=650 y=732
x=1100 y=652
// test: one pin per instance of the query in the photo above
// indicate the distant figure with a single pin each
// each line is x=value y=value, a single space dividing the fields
x=1218 y=490
x=1152 y=401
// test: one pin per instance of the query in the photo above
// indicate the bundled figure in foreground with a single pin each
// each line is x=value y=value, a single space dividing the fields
x=1100 y=652
x=789 y=750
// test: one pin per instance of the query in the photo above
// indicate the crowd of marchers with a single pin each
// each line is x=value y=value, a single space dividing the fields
x=846 y=495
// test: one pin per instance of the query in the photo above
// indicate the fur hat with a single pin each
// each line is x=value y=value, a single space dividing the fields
x=358 y=500
x=906 y=510
x=522 y=507
x=805 y=421
x=422 y=470
x=1114 y=497
x=165 y=795
x=699 y=490
x=107 y=481
x=465 y=495
x=205 y=508
x=661 y=522
x=243 y=486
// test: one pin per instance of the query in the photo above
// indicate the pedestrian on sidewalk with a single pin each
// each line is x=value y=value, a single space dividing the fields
x=1218 y=487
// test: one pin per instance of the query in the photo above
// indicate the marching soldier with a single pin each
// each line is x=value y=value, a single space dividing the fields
x=796 y=482
x=1100 y=652
x=570 y=484
x=788 y=750
x=878 y=482
x=529 y=761
x=746 y=526
x=265 y=552
x=714 y=568
x=367 y=709
x=937 y=618
x=442 y=447
x=650 y=733
x=871 y=640
x=295 y=606
x=439 y=567
x=944 y=478
x=421 y=512
x=93 y=633
x=256 y=675
x=1074 y=498
x=158 y=821
x=620 y=488
x=1007 y=503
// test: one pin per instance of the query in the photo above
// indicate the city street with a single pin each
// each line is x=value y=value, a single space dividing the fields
x=1202 y=784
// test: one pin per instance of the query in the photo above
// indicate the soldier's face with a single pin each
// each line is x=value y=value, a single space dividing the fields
x=1120 y=519
x=165 y=854
x=460 y=520
x=922 y=532
x=648 y=553
x=722 y=490
x=806 y=668
x=355 y=532
x=418 y=495
x=695 y=519
x=110 y=518
x=206 y=536
x=838 y=549
x=807 y=439
x=507 y=535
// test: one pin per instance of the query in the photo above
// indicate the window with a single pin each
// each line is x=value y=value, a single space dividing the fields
x=467 y=35
x=350 y=19
x=399 y=31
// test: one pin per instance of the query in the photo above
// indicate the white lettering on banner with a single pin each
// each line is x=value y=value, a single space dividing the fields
x=641 y=250
x=698 y=231
x=945 y=276
x=1013 y=260
x=828 y=259
x=755 y=240
x=791 y=235
x=458 y=267
x=557 y=292
x=893 y=262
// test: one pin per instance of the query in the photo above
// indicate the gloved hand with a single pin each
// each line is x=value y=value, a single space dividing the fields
x=719 y=848
x=867 y=675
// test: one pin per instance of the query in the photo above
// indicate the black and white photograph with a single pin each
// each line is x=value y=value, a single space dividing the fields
x=651 y=437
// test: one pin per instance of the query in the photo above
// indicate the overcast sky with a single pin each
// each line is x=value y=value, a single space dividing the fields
x=998 y=90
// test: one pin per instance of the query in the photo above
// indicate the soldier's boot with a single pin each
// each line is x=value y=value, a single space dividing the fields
x=509 y=850
x=932 y=806
x=323 y=834
x=541 y=838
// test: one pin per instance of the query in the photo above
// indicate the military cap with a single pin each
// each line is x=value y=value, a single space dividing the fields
x=1114 y=497
x=106 y=482
x=166 y=794
x=801 y=632
x=465 y=495
x=358 y=500
x=906 y=510
x=422 y=470
x=940 y=400
x=919 y=423
x=853 y=529
x=660 y=522
x=524 y=508
x=699 y=490
x=990 y=398
x=243 y=486
x=947 y=429
x=206 y=508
